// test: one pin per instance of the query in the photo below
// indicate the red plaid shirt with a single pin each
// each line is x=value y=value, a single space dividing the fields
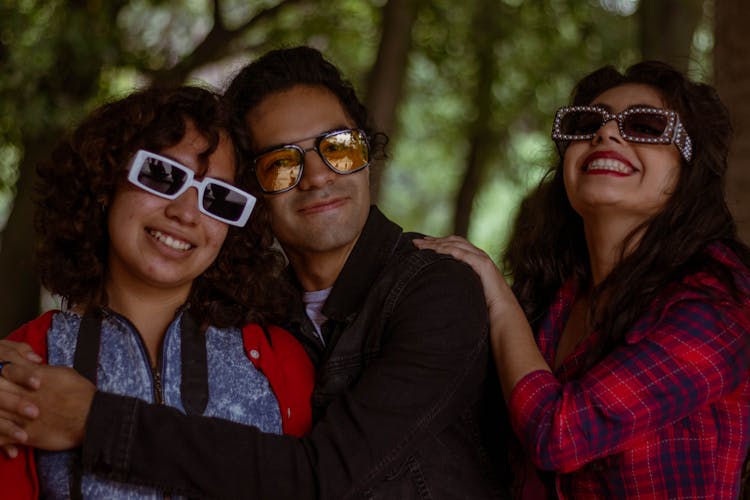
x=667 y=415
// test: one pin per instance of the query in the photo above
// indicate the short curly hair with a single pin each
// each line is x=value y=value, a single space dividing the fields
x=76 y=185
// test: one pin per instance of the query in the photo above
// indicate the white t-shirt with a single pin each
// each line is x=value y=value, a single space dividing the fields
x=314 y=306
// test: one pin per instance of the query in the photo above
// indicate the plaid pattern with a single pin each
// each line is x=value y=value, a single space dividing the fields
x=667 y=415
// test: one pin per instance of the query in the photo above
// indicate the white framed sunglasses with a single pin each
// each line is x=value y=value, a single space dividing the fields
x=166 y=178
x=639 y=124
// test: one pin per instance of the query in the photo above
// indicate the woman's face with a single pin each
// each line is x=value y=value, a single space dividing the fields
x=159 y=243
x=608 y=176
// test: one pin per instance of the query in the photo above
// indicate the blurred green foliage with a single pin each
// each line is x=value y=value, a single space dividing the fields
x=541 y=47
x=52 y=58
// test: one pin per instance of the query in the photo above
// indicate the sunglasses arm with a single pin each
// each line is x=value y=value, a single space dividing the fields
x=682 y=140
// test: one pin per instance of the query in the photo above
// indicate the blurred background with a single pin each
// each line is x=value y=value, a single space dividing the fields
x=465 y=89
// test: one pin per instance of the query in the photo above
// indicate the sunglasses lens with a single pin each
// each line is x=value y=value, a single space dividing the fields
x=644 y=125
x=345 y=151
x=581 y=122
x=223 y=202
x=161 y=176
x=279 y=169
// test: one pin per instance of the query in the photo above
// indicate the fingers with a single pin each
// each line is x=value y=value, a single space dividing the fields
x=18 y=352
x=496 y=290
x=15 y=406
x=460 y=249
x=23 y=375
x=20 y=364
x=64 y=400
x=431 y=241
x=10 y=451
x=452 y=242
x=11 y=431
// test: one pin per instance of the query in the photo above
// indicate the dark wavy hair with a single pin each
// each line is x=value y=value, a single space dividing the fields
x=76 y=186
x=548 y=245
x=280 y=70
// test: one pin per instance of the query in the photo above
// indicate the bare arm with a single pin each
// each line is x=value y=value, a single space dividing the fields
x=513 y=345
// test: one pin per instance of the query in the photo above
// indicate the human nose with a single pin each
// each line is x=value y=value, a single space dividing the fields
x=315 y=173
x=609 y=130
x=184 y=208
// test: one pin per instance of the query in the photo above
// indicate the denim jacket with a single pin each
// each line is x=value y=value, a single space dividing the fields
x=237 y=390
x=398 y=399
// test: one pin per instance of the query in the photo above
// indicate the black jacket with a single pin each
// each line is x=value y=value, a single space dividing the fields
x=397 y=403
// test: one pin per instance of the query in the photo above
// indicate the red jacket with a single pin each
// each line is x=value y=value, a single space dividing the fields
x=283 y=361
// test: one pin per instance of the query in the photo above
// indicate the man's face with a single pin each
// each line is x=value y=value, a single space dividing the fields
x=322 y=217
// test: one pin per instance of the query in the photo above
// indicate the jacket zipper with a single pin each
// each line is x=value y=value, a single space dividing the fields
x=156 y=374
x=158 y=392
x=156 y=377
x=157 y=389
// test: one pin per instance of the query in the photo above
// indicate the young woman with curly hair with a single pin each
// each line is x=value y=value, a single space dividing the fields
x=628 y=269
x=169 y=297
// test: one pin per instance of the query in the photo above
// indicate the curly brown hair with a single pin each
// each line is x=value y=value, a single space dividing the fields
x=76 y=185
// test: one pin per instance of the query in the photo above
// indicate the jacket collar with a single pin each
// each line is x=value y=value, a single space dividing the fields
x=370 y=254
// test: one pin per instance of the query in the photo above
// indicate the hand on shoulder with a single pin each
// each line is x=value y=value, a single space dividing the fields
x=500 y=299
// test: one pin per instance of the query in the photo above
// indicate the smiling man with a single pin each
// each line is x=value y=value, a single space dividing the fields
x=398 y=336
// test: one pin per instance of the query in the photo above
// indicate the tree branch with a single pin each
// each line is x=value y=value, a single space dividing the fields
x=215 y=45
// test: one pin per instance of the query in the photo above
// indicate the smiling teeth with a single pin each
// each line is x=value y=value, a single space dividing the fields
x=170 y=242
x=610 y=165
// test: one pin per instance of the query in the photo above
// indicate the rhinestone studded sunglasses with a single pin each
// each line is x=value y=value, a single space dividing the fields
x=168 y=179
x=279 y=169
x=639 y=124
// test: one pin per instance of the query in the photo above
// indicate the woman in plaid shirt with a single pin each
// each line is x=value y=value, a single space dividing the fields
x=628 y=268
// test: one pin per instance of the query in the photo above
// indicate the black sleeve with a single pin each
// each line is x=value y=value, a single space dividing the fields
x=432 y=363
x=130 y=441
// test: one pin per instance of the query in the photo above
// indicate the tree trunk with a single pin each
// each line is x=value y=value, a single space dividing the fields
x=63 y=87
x=386 y=80
x=732 y=77
x=481 y=138
x=19 y=287
x=667 y=28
